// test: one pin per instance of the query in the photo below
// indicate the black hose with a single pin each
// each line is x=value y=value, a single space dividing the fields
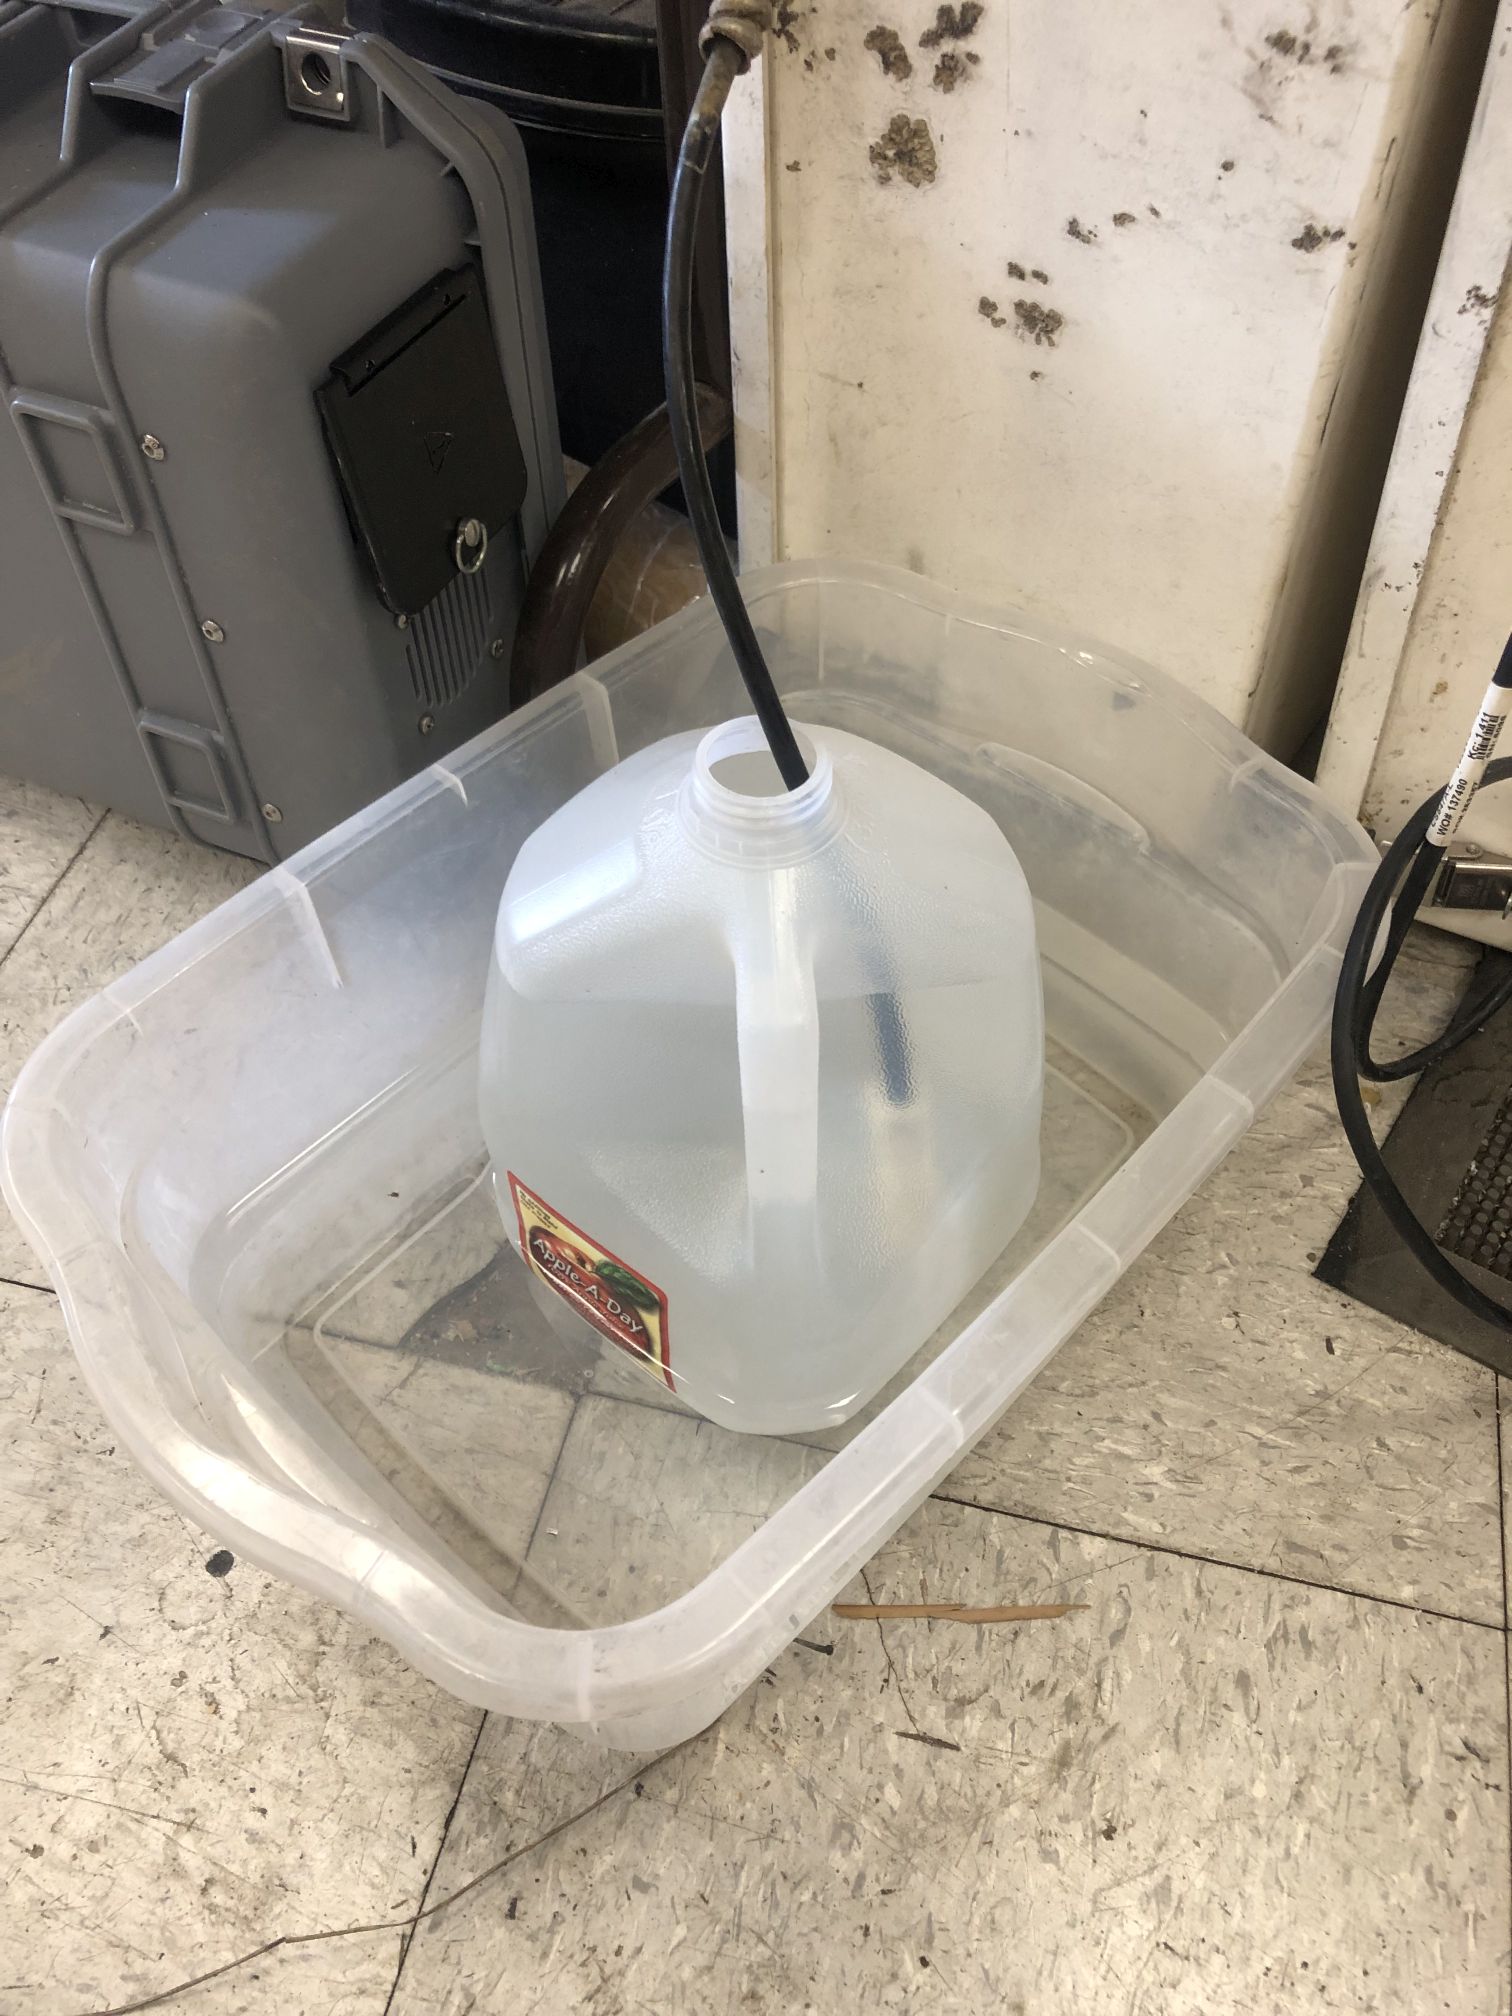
x=1398 y=887
x=724 y=65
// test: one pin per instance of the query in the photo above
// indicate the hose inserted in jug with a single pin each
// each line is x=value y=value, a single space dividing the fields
x=730 y=37
x=730 y=40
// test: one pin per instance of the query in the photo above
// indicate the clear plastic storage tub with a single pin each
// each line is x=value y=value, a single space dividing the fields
x=255 y=1172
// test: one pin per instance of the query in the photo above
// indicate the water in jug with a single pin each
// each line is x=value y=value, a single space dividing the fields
x=762 y=1068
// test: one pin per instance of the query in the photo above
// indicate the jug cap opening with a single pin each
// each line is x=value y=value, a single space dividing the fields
x=736 y=805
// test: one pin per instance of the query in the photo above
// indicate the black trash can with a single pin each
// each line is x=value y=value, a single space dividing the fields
x=582 y=86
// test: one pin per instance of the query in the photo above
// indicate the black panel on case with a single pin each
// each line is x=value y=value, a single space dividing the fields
x=420 y=429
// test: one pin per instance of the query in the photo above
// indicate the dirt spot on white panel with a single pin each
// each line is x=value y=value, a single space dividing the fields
x=886 y=44
x=1033 y=321
x=954 y=67
x=952 y=24
x=1301 y=51
x=1312 y=237
x=905 y=149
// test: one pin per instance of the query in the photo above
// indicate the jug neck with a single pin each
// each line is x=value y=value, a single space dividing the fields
x=764 y=825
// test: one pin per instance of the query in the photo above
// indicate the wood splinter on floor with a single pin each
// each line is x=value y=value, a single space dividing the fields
x=960 y=1613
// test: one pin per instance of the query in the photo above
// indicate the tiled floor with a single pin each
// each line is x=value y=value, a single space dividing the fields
x=1266 y=1769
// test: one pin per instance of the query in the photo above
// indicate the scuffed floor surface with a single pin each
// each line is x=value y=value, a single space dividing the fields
x=1265 y=1769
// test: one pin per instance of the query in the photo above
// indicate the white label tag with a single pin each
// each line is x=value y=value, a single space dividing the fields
x=1471 y=768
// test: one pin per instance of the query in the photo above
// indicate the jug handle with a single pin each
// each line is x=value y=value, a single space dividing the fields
x=777 y=1031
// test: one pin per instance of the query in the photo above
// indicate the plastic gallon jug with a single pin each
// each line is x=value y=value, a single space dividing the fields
x=761 y=1069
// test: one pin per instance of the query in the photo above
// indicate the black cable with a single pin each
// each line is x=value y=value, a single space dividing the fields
x=1398 y=887
x=724 y=65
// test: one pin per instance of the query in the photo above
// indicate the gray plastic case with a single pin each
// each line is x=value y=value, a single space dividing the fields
x=201 y=209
